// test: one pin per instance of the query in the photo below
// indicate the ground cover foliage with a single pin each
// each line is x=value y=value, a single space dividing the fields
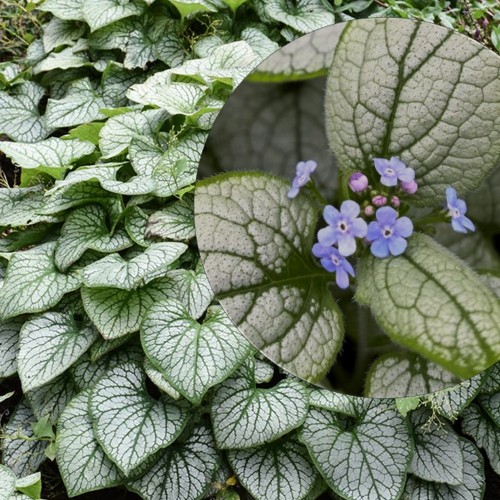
x=131 y=374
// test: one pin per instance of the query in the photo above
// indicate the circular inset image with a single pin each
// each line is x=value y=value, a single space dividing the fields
x=347 y=208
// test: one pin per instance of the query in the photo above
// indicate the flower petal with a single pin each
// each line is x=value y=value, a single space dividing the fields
x=386 y=215
x=396 y=164
x=359 y=228
x=348 y=267
x=311 y=166
x=379 y=248
x=457 y=225
x=407 y=175
x=331 y=214
x=350 y=209
x=397 y=245
x=462 y=206
x=380 y=164
x=293 y=192
x=451 y=196
x=328 y=265
x=374 y=231
x=466 y=222
x=320 y=250
x=403 y=227
x=389 y=181
x=342 y=279
x=327 y=236
x=347 y=244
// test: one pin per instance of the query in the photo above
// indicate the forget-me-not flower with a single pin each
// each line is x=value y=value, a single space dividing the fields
x=392 y=170
x=343 y=227
x=303 y=172
x=457 y=209
x=387 y=234
x=334 y=262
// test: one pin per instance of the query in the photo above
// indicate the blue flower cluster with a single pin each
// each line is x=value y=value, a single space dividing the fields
x=386 y=235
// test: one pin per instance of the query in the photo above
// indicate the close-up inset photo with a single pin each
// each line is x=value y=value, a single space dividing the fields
x=249 y=250
x=346 y=208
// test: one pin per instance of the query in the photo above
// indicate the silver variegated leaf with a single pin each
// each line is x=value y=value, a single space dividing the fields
x=33 y=283
x=83 y=464
x=116 y=272
x=57 y=341
x=128 y=423
x=184 y=470
x=239 y=407
x=193 y=357
x=362 y=459
x=446 y=296
x=276 y=470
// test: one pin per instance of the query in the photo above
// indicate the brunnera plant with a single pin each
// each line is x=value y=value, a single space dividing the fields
x=115 y=359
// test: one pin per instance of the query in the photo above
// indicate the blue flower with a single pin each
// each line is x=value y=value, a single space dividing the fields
x=457 y=209
x=392 y=170
x=303 y=170
x=387 y=234
x=342 y=227
x=334 y=262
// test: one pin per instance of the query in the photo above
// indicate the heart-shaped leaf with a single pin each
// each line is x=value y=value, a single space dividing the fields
x=50 y=399
x=21 y=119
x=445 y=296
x=83 y=464
x=438 y=452
x=128 y=423
x=117 y=312
x=64 y=9
x=118 y=131
x=19 y=207
x=51 y=153
x=23 y=456
x=33 y=283
x=451 y=402
x=116 y=272
x=191 y=287
x=402 y=374
x=85 y=228
x=276 y=470
x=193 y=357
x=174 y=222
x=99 y=13
x=239 y=407
x=304 y=16
x=485 y=431
x=57 y=341
x=430 y=103
x=255 y=245
x=7 y=482
x=362 y=459
x=183 y=471
x=9 y=346
x=80 y=104
x=472 y=487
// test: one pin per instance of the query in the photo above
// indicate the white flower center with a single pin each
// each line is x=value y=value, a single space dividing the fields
x=389 y=171
x=335 y=260
x=303 y=179
x=387 y=232
x=342 y=226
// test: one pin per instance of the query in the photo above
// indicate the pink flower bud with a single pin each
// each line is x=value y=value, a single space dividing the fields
x=395 y=202
x=409 y=187
x=369 y=211
x=358 y=182
x=379 y=200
